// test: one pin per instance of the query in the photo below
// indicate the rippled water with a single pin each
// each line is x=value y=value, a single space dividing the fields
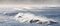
x=7 y=17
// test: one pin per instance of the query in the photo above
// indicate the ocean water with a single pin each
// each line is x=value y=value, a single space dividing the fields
x=7 y=16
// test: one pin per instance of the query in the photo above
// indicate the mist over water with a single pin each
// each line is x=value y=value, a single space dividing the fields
x=7 y=16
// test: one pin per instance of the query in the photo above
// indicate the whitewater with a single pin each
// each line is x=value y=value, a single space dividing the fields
x=30 y=16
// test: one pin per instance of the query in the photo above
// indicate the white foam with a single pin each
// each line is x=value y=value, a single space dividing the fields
x=26 y=17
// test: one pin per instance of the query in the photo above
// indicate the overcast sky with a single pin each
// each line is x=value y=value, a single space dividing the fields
x=29 y=1
x=24 y=3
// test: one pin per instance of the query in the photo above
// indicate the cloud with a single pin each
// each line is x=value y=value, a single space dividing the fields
x=29 y=1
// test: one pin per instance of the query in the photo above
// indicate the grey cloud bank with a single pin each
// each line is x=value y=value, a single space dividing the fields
x=29 y=1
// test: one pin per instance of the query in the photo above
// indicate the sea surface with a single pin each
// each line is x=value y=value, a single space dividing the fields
x=7 y=16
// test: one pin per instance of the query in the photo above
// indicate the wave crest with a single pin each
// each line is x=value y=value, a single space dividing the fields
x=31 y=18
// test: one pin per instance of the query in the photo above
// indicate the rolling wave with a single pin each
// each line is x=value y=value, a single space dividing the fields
x=32 y=15
x=31 y=18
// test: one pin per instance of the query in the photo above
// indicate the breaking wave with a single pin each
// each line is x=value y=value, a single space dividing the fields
x=31 y=18
x=32 y=15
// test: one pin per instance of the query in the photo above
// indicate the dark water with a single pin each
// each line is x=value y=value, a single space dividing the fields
x=8 y=18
